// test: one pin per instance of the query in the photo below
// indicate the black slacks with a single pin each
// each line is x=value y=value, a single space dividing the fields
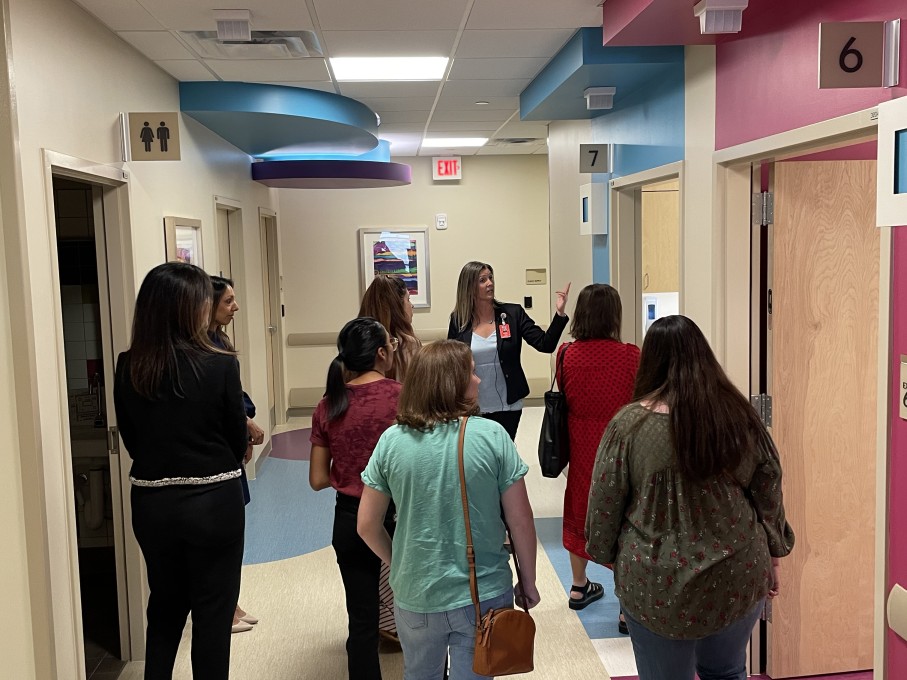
x=360 y=569
x=192 y=541
x=509 y=419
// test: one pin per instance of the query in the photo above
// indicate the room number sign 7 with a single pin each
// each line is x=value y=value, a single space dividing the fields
x=595 y=158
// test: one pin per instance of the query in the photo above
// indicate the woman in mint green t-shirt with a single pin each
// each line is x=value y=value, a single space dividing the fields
x=415 y=464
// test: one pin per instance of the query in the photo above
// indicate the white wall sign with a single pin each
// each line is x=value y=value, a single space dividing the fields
x=446 y=167
x=595 y=158
x=154 y=136
x=851 y=54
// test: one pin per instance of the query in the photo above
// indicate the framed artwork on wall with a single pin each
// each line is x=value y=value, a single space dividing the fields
x=400 y=252
x=183 y=240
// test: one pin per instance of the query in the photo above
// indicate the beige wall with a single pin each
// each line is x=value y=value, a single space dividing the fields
x=71 y=78
x=497 y=213
x=571 y=252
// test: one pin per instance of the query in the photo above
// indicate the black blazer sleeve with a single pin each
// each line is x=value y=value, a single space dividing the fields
x=235 y=430
x=453 y=330
x=543 y=341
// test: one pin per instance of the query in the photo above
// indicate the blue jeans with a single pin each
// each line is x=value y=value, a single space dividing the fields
x=720 y=656
x=426 y=639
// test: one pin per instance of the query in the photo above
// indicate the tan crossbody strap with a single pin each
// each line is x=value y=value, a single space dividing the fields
x=470 y=550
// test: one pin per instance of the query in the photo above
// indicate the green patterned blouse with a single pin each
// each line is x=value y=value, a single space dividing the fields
x=689 y=558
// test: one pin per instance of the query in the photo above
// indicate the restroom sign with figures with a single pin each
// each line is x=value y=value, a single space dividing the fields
x=154 y=136
x=447 y=167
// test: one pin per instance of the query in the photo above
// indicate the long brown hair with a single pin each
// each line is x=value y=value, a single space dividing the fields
x=219 y=285
x=466 y=293
x=171 y=320
x=714 y=428
x=598 y=313
x=385 y=300
x=435 y=389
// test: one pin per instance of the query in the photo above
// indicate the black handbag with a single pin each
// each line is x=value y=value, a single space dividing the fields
x=554 y=440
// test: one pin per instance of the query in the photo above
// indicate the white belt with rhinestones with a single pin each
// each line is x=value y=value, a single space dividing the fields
x=193 y=481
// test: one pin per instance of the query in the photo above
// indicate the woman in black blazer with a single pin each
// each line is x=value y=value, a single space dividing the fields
x=495 y=332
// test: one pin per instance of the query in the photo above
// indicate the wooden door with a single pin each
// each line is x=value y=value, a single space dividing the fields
x=660 y=226
x=825 y=285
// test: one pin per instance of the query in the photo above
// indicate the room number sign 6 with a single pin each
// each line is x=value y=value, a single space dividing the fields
x=851 y=54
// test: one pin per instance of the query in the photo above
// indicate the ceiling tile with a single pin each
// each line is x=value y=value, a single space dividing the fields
x=481 y=89
x=121 y=15
x=270 y=70
x=511 y=14
x=525 y=43
x=518 y=129
x=482 y=129
x=480 y=113
x=422 y=88
x=198 y=15
x=508 y=150
x=495 y=69
x=453 y=151
x=449 y=102
x=389 y=43
x=321 y=87
x=398 y=103
x=389 y=15
x=156 y=45
x=393 y=117
x=186 y=69
x=400 y=128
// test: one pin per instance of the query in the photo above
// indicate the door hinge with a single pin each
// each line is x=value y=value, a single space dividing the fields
x=763 y=405
x=763 y=209
x=767 y=611
x=113 y=441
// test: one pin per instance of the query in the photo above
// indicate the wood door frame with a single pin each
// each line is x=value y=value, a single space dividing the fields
x=60 y=529
x=624 y=248
x=733 y=295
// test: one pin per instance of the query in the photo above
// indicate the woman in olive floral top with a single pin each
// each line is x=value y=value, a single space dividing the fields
x=686 y=503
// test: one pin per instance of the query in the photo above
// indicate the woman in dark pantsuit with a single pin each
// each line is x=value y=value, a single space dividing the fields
x=180 y=411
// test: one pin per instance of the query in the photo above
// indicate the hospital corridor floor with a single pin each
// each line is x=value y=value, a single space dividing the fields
x=290 y=581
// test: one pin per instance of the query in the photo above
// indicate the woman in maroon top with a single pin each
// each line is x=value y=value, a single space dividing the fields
x=596 y=374
x=346 y=426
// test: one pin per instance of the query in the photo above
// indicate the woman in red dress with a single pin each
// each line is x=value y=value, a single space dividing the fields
x=596 y=374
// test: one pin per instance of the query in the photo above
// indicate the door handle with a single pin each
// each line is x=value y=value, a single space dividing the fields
x=272 y=329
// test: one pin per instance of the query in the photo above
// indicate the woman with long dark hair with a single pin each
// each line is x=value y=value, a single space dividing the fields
x=223 y=309
x=387 y=300
x=180 y=412
x=596 y=373
x=495 y=331
x=686 y=502
x=415 y=466
x=345 y=427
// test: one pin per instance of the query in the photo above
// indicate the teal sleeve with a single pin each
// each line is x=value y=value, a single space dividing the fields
x=512 y=468
x=374 y=473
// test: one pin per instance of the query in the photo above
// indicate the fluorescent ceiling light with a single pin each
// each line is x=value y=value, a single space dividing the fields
x=448 y=142
x=388 y=68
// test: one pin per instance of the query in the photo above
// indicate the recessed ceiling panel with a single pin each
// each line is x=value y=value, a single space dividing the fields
x=156 y=45
x=268 y=70
x=481 y=113
x=427 y=88
x=121 y=15
x=186 y=70
x=517 y=129
x=511 y=14
x=495 y=69
x=485 y=88
x=509 y=150
x=198 y=15
x=389 y=43
x=389 y=15
x=521 y=43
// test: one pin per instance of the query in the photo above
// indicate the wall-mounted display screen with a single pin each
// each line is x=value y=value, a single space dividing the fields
x=900 y=162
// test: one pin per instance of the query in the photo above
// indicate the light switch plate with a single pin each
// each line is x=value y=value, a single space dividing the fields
x=441 y=221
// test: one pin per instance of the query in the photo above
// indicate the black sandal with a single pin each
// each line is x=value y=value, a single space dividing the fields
x=622 y=627
x=590 y=593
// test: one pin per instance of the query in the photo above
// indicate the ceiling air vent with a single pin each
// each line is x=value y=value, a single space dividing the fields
x=599 y=98
x=506 y=141
x=233 y=24
x=261 y=45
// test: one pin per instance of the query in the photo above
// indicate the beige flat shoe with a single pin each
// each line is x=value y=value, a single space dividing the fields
x=241 y=627
x=248 y=618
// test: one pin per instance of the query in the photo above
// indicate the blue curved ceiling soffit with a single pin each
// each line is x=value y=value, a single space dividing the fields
x=276 y=124
x=556 y=93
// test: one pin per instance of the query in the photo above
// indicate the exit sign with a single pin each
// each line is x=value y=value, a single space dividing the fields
x=448 y=167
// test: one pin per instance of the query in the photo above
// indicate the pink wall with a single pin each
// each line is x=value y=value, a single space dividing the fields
x=897 y=470
x=767 y=75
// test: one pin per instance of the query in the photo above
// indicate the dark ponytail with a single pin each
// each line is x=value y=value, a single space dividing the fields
x=357 y=347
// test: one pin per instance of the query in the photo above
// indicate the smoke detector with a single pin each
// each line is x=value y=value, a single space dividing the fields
x=233 y=24
x=720 y=16
x=599 y=98
x=260 y=45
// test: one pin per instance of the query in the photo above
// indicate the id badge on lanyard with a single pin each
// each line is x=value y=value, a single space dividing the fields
x=504 y=327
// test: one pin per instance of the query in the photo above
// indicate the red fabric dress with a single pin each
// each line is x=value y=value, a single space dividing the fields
x=598 y=377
